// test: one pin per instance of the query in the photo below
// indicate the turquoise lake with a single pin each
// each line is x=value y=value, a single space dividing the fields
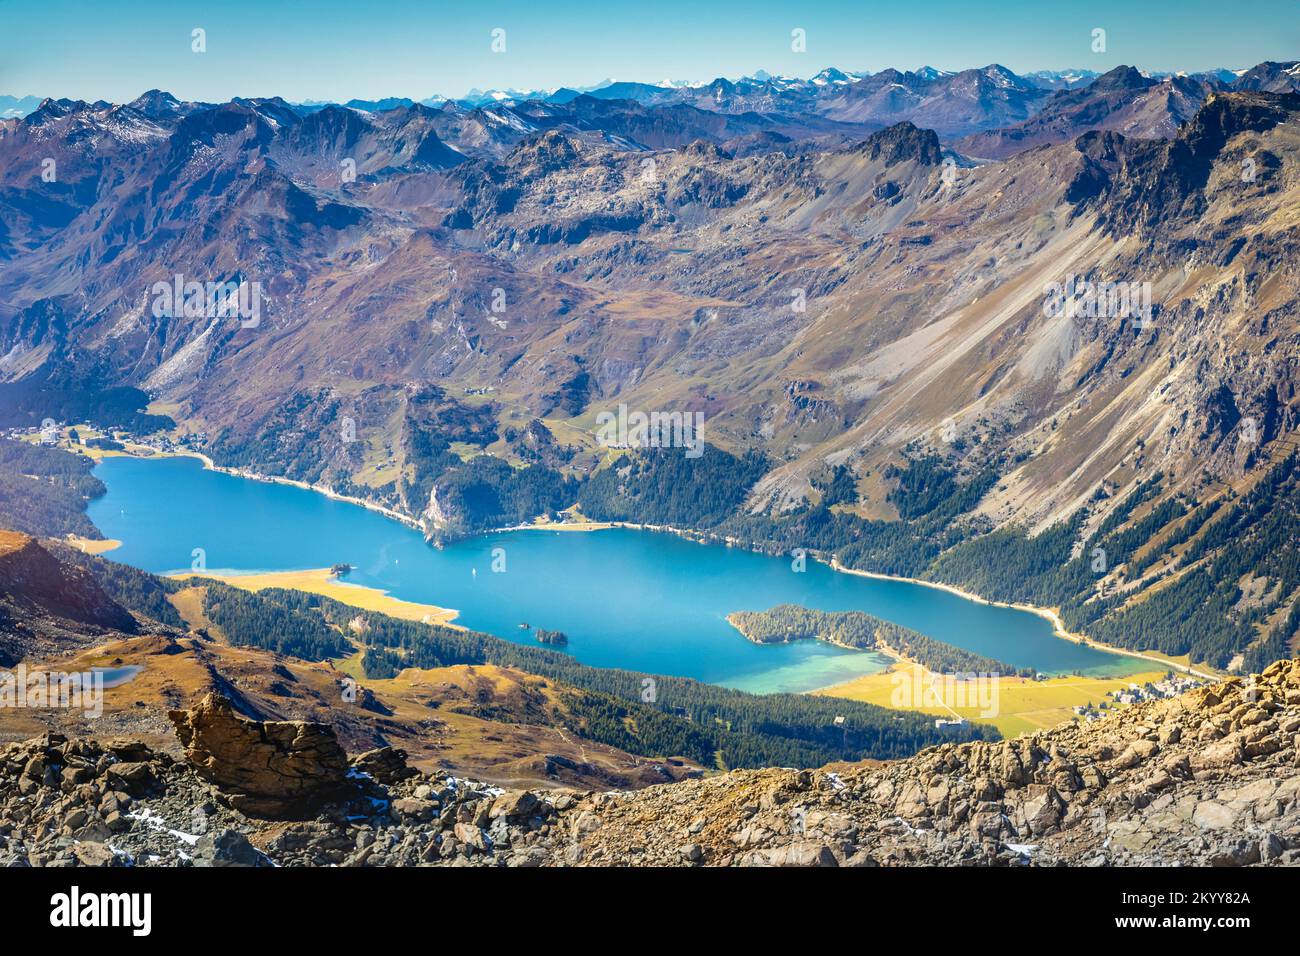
x=639 y=600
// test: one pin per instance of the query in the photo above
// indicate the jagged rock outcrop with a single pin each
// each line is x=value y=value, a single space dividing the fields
x=1208 y=778
x=1153 y=184
x=900 y=143
x=271 y=768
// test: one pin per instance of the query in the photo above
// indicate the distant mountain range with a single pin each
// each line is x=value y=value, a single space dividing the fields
x=987 y=113
x=683 y=90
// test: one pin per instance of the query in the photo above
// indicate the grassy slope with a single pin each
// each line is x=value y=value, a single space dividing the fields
x=1023 y=705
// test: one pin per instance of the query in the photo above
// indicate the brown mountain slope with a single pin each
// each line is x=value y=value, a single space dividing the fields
x=47 y=606
x=492 y=723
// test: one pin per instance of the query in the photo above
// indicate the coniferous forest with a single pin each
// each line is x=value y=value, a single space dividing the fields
x=790 y=622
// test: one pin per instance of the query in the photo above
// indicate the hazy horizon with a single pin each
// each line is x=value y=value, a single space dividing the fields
x=326 y=52
x=607 y=81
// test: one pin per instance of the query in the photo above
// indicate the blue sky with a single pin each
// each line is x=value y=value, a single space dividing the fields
x=330 y=49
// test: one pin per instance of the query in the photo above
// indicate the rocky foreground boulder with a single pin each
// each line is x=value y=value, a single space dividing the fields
x=1208 y=778
x=263 y=768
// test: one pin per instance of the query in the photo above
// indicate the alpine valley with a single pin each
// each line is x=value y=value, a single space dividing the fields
x=1022 y=340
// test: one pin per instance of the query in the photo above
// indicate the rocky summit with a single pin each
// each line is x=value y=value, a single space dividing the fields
x=1208 y=778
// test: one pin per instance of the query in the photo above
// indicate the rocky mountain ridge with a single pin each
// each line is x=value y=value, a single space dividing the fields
x=982 y=97
x=1208 y=778
x=1122 y=100
x=559 y=271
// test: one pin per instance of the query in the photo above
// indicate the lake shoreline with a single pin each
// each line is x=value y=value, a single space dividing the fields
x=880 y=648
x=210 y=465
x=325 y=490
x=323 y=582
x=95 y=546
x=1051 y=615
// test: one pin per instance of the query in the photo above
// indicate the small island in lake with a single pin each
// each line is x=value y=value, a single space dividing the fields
x=338 y=570
x=857 y=629
x=554 y=638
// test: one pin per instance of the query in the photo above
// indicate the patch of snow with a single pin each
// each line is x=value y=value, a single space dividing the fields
x=154 y=822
